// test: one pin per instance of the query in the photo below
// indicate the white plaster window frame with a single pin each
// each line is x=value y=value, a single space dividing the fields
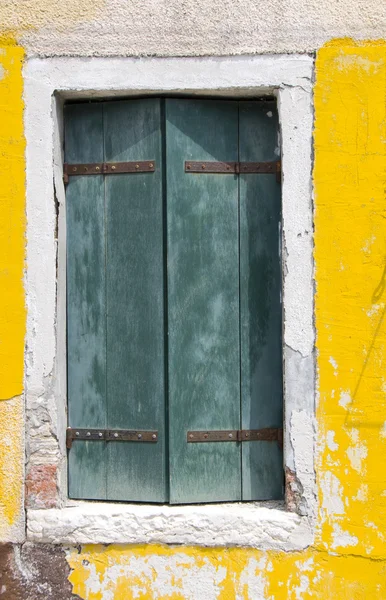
x=48 y=83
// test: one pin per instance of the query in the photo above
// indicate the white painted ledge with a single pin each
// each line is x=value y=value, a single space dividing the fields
x=247 y=525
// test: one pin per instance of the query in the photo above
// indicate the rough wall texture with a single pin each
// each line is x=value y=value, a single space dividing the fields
x=29 y=572
x=350 y=256
x=126 y=573
x=151 y=27
x=348 y=558
x=12 y=310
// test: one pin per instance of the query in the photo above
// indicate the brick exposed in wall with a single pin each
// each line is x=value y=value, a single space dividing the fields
x=41 y=489
x=34 y=572
x=293 y=491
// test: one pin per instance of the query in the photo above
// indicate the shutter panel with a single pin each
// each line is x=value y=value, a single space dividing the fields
x=86 y=308
x=203 y=300
x=223 y=310
x=135 y=301
x=115 y=298
x=260 y=304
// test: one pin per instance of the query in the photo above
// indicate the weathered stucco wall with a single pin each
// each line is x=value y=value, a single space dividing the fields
x=12 y=309
x=347 y=559
x=350 y=255
x=182 y=28
x=126 y=573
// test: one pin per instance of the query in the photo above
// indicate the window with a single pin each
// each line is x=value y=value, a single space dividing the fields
x=173 y=301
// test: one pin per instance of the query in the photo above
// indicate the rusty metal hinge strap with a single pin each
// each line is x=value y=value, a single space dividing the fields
x=268 y=434
x=109 y=435
x=268 y=168
x=103 y=168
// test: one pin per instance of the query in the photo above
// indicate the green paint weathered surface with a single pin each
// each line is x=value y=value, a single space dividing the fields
x=203 y=300
x=176 y=273
x=260 y=304
x=135 y=301
x=86 y=303
x=115 y=301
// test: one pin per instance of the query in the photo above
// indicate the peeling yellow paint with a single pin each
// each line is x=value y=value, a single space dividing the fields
x=350 y=228
x=12 y=303
x=350 y=257
x=162 y=573
x=11 y=463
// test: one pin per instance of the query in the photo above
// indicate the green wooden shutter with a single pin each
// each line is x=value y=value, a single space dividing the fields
x=203 y=300
x=86 y=300
x=260 y=302
x=216 y=326
x=115 y=301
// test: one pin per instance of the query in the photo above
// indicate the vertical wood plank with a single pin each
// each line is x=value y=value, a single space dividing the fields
x=135 y=301
x=260 y=303
x=86 y=335
x=203 y=300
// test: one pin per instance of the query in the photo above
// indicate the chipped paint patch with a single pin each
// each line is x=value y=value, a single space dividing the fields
x=331 y=444
x=345 y=399
x=367 y=65
x=341 y=538
x=357 y=452
x=332 y=494
x=362 y=494
x=374 y=310
x=334 y=364
x=252 y=580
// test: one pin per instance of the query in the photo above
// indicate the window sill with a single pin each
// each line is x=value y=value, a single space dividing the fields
x=257 y=525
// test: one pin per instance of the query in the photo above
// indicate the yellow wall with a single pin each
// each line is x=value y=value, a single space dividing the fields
x=155 y=572
x=350 y=257
x=348 y=560
x=12 y=309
